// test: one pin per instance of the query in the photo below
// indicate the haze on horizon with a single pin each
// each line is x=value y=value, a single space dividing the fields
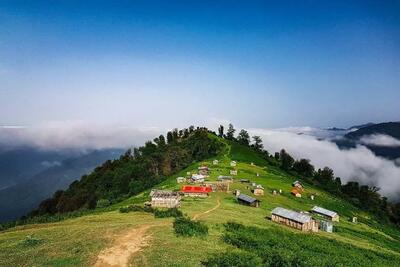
x=172 y=64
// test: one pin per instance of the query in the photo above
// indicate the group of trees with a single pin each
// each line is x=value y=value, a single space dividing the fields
x=135 y=171
x=242 y=138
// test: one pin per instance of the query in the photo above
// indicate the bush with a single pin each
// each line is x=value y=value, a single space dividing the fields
x=102 y=203
x=31 y=241
x=234 y=259
x=136 y=208
x=186 y=227
x=174 y=212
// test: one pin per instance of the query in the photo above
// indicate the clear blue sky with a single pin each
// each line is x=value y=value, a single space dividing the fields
x=171 y=64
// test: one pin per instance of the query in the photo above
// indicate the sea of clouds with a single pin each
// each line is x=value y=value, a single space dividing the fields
x=356 y=164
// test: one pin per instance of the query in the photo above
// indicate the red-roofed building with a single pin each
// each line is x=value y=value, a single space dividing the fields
x=196 y=191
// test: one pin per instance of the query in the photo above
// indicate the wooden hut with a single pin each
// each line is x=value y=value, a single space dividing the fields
x=196 y=191
x=225 y=178
x=203 y=170
x=180 y=180
x=294 y=219
x=327 y=214
x=247 y=200
x=258 y=190
x=219 y=186
x=197 y=178
x=165 y=199
x=233 y=172
x=233 y=163
x=295 y=192
x=215 y=162
x=244 y=181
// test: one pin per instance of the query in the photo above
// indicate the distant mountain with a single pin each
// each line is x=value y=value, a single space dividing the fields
x=335 y=129
x=19 y=164
x=388 y=128
x=392 y=129
x=19 y=199
x=356 y=127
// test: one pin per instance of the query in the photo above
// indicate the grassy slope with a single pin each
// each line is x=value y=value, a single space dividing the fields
x=78 y=241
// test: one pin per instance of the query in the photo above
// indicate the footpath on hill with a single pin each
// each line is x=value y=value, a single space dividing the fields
x=125 y=246
x=196 y=216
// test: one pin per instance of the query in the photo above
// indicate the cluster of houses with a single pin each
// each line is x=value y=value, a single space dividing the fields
x=317 y=218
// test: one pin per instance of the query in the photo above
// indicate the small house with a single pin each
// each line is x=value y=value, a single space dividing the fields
x=196 y=191
x=295 y=192
x=225 y=178
x=298 y=185
x=326 y=226
x=257 y=174
x=165 y=199
x=188 y=173
x=203 y=170
x=243 y=181
x=197 y=178
x=354 y=220
x=252 y=164
x=233 y=172
x=233 y=163
x=215 y=162
x=294 y=219
x=328 y=214
x=253 y=184
x=236 y=192
x=247 y=200
x=258 y=191
x=180 y=180
x=219 y=186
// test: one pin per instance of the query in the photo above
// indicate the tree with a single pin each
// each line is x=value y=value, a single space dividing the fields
x=303 y=167
x=231 y=132
x=258 y=143
x=221 y=131
x=243 y=137
x=170 y=137
x=286 y=160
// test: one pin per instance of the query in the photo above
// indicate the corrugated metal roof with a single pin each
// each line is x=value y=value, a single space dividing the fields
x=292 y=215
x=246 y=198
x=196 y=189
x=324 y=211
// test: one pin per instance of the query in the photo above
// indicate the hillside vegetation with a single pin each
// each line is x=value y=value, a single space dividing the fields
x=236 y=235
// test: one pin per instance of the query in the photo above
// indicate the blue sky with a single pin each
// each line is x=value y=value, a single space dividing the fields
x=175 y=63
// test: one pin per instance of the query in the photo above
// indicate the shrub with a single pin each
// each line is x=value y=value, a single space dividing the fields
x=102 y=203
x=184 y=226
x=31 y=241
x=234 y=259
x=174 y=212
x=137 y=208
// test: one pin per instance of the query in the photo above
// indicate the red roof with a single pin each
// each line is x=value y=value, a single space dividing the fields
x=196 y=189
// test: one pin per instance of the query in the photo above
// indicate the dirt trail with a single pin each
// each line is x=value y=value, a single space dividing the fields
x=125 y=246
x=195 y=217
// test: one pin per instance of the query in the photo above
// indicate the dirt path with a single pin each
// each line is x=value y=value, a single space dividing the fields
x=125 y=246
x=196 y=216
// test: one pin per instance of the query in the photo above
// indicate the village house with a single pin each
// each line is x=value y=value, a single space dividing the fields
x=247 y=200
x=215 y=162
x=180 y=180
x=258 y=190
x=219 y=186
x=165 y=199
x=233 y=172
x=233 y=163
x=203 y=170
x=295 y=192
x=326 y=226
x=328 y=214
x=298 y=185
x=196 y=191
x=294 y=219
x=225 y=178
x=244 y=181
x=197 y=178
x=236 y=192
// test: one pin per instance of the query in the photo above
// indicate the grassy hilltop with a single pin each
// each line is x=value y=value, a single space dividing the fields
x=234 y=230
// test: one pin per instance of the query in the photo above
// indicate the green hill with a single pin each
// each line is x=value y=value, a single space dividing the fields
x=238 y=235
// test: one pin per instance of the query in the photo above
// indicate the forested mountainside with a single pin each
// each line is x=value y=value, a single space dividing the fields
x=135 y=171
x=388 y=128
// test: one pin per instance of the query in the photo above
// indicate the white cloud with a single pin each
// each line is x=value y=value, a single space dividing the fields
x=357 y=164
x=76 y=135
x=380 y=140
